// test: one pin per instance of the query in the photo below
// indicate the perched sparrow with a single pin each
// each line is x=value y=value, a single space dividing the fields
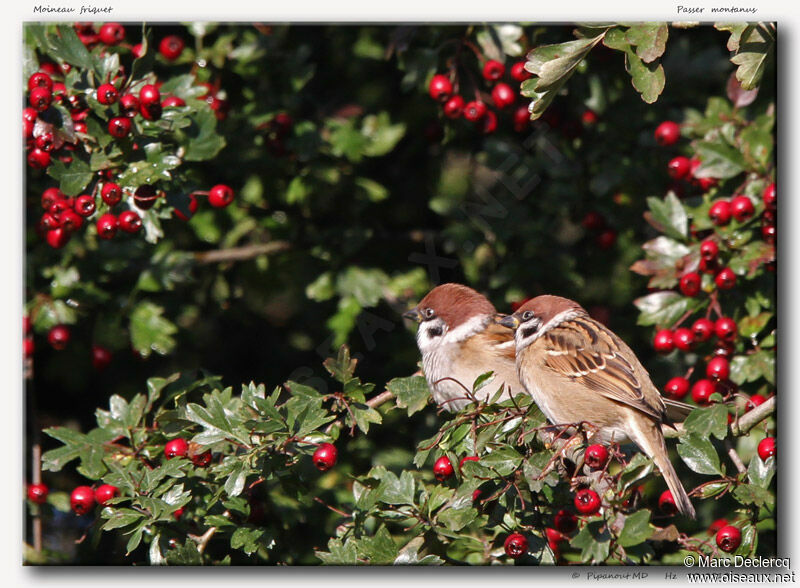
x=460 y=339
x=579 y=371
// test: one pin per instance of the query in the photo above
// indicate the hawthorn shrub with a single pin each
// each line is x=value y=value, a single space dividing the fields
x=212 y=204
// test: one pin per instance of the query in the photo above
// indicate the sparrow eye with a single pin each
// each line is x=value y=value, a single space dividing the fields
x=429 y=313
x=527 y=315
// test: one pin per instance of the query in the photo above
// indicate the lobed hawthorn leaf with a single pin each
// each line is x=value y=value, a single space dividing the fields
x=719 y=159
x=668 y=216
x=201 y=139
x=594 y=541
x=735 y=29
x=409 y=555
x=756 y=48
x=699 y=454
x=649 y=38
x=553 y=65
x=753 y=494
x=663 y=308
x=247 y=538
x=411 y=393
x=340 y=553
x=711 y=420
x=749 y=368
x=757 y=141
x=185 y=555
x=752 y=325
x=72 y=177
x=760 y=472
x=636 y=529
x=379 y=549
x=647 y=78
x=150 y=331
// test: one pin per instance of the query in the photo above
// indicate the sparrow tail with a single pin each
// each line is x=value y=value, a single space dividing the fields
x=653 y=445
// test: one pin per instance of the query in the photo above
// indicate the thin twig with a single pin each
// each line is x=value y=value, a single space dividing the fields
x=240 y=253
x=753 y=417
x=737 y=461
x=202 y=541
x=36 y=466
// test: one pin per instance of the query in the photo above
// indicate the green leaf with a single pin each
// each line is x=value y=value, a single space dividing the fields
x=375 y=192
x=504 y=460
x=756 y=48
x=185 y=555
x=594 y=541
x=663 y=308
x=752 y=494
x=394 y=490
x=411 y=393
x=364 y=415
x=66 y=46
x=699 y=454
x=72 y=177
x=456 y=519
x=718 y=159
x=409 y=555
x=760 y=472
x=382 y=136
x=247 y=539
x=650 y=39
x=647 y=78
x=712 y=420
x=202 y=141
x=749 y=368
x=669 y=216
x=752 y=325
x=340 y=554
x=378 y=549
x=150 y=331
x=637 y=529
x=553 y=65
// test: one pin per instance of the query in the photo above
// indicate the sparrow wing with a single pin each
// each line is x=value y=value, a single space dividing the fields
x=585 y=351
x=501 y=340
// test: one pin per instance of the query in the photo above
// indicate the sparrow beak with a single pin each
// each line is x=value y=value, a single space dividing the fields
x=414 y=314
x=510 y=321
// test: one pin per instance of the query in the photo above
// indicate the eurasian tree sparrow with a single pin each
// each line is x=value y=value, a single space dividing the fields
x=577 y=371
x=460 y=339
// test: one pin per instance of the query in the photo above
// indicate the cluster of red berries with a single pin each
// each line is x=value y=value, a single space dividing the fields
x=83 y=498
x=728 y=537
x=58 y=337
x=681 y=168
x=604 y=236
x=442 y=89
x=277 y=130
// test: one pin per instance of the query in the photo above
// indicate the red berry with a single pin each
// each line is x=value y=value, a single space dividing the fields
x=716 y=526
x=105 y=493
x=589 y=118
x=474 y=110
x=770 y=197
x=678 y=167
x=595 y=456
x=26 y=325
x=40 y=98
x=149 y=95
x=40 y=80
x=220 y=196
x=702 y=391
x=119 y=127
x=57 y=238
x=766 y=448
x=519 y=73
x=85 y=205
x=565 y=521
x=192 y=209
x=706 y=184
x=667 y=503
x=107 y=94
x=753 y=401
x=70 y=221
x=587 y=502
x=45 y=142
x=515 y=545
x=442 y=469
x=29 y=114
x=38 y=159
x=129 y=105
x=690 y=284
x=488 y=123
x=667 y=133
x=768 y=233
x=37 y=493
x=718 y=368
x=107 y=226
x=440 y=88
x=172 y=102
x=178 y=513
x=493 y=70
x=725 y=329
x=606 y=239
x=709 y=267
x=176 y=448
x=201 y=460
x=101 y=357
x=27 y=347
x=466 y=459
x=324 y=457
x=58 y=337
x=663 y=341
x=503 y=95
x=676 y=388
x=171 y=47
x=112 y=33
x=720 y=213
x=709 y=250
x=728 y=538
x=137 y=50
x=50 y=196
x=130 y=221
x=111 y=193
x=522 y=119
x=454 y=107
x=82 y=500
x=742 y=208
x=725 y=279
x=593 y=221
x=702 y=329
x=554 y=537
x=683 y=339
x=145 y=197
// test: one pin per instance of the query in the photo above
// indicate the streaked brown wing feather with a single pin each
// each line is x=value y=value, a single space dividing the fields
x=583 y=350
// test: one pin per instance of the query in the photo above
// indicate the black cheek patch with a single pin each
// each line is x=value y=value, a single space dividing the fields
x=529 y=331
x=435 y=332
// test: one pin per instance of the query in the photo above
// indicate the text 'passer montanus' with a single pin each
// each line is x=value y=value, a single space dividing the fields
x=577 y=371
x=460 y=339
